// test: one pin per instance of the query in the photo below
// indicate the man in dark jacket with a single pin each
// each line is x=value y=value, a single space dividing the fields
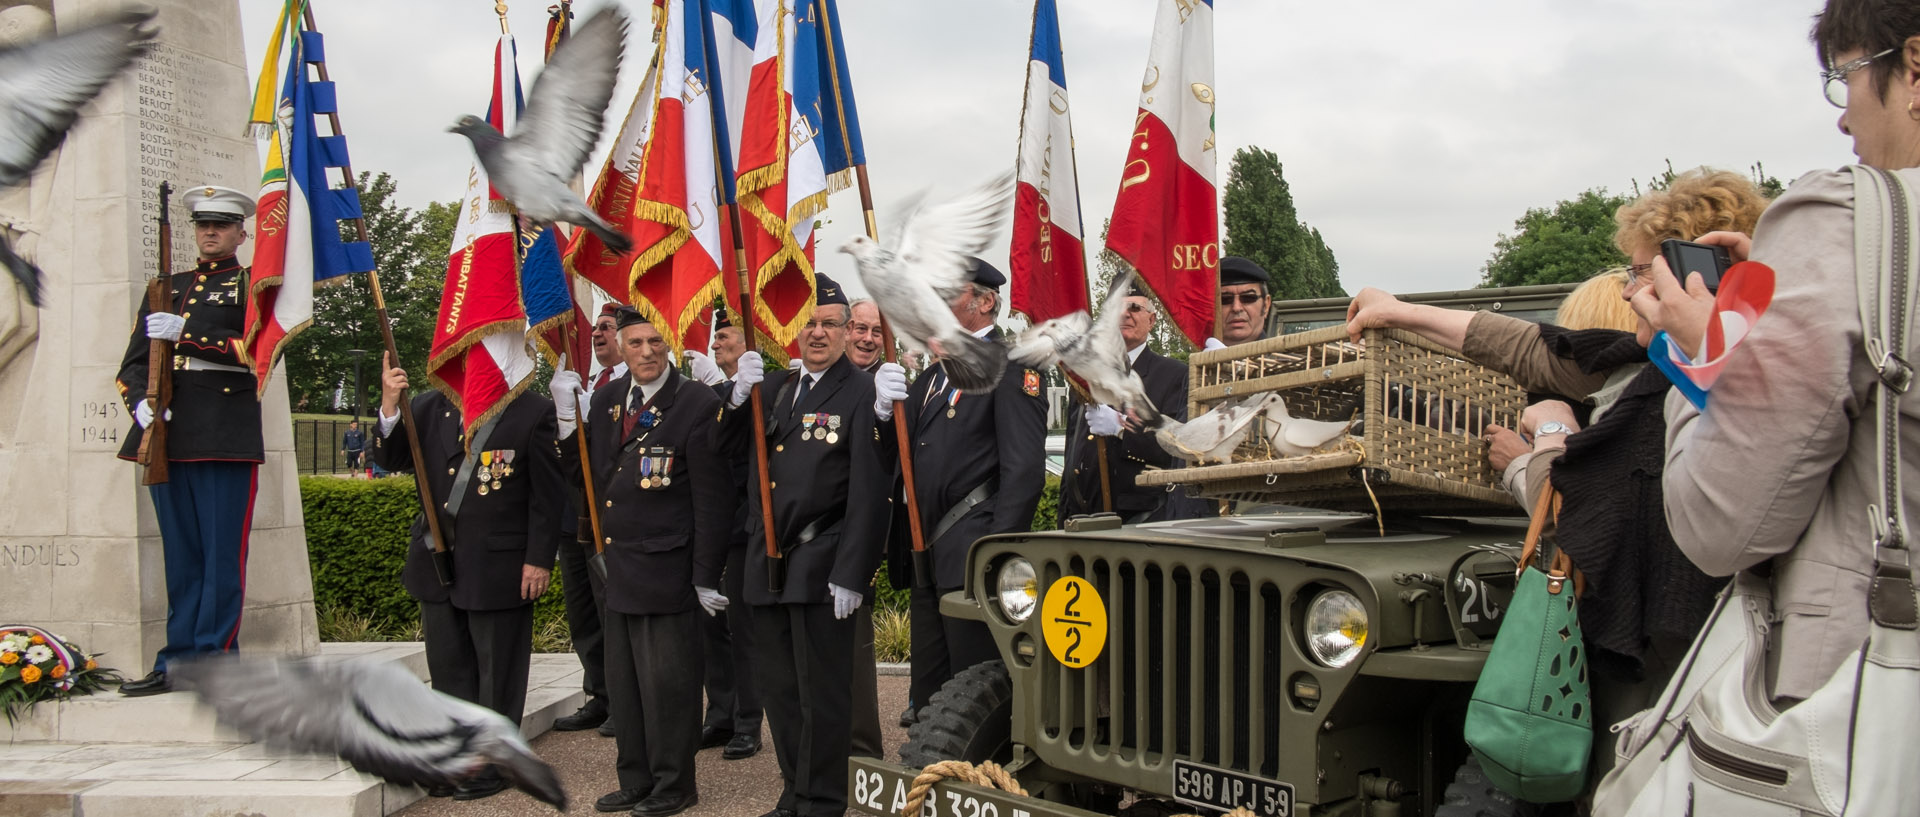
x=666 y=507
x=827 y=453
x=979 y=466
x=1130 y=449
x=499 y=495
x=580 y=586
x=734 y=714
x=214 y=446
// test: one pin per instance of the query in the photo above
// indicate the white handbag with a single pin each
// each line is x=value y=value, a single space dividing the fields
x=1714 y=743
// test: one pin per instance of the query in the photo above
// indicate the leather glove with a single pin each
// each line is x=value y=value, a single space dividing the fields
x=1104 y=421
x=1212 y=344
x=750 y=373
x=711 y=600
x=143 y=413
x=889 y=385
x=165 y=326
x=844 y=601
x=566 y=390
x=704 y=369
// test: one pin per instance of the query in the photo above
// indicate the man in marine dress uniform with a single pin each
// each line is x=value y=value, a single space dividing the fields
x=500 y=496
x=733 y=715
x=864 y=339
x=580 y=586
x=666 y=507
x=214 y=448
x=827 y=454
x=1130 y=449
x=979 y=467
x=1244 y=303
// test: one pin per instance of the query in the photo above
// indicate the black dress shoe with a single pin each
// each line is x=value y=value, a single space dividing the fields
x=591 y=714
x=665 y=805
x=606 y=728
x=742 y=746
x=711 y=736
x=485 y=784
x=442 y=790
x=909 y=717
x=155 y=683
x=622 y=800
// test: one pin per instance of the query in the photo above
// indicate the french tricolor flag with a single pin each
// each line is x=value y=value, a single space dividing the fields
x=1049 y=264
x=1166 y=219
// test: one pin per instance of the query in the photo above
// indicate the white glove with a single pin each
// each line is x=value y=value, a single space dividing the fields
x=844 y=601
x=143 y=413
x=704 y=369
x=794 y=363
x=748 y=375
x=165 y=325
x=1104 y=421
x=711 y=600
x=889 y=385
x=1212 y=344
x=566 y=390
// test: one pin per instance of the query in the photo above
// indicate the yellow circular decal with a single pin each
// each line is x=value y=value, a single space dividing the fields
x=1073 y=621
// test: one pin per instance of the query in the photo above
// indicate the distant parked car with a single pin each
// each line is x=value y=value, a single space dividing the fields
x=1056 y=454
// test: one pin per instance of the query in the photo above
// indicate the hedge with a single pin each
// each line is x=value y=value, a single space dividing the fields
x=357 y=544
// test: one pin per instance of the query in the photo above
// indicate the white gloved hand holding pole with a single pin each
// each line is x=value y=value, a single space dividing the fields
x=143 y=413
x=165 y=326
x=566 y=389
x=889 y=387
x=711 y=600
x=1104 y=421
x=704 y=369
x=844 y=601
x=748 y=375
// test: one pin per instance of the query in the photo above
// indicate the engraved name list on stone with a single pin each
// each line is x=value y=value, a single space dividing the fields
x=178 y=142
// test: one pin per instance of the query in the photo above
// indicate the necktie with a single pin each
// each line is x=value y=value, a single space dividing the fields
x=635 y=405
x=606 y=374
x=800 y=396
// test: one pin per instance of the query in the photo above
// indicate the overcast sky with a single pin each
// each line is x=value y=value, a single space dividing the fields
x=1412 y=133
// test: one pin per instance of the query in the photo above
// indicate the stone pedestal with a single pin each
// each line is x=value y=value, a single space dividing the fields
x=79 y=547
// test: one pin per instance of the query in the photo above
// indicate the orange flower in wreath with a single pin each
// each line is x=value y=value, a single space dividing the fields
x=9 y=658
x=58 y=672
x=37 y=640
x=29 y=674
x=91 y=664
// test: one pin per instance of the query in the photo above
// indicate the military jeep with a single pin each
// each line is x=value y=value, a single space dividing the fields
x=1289 y=661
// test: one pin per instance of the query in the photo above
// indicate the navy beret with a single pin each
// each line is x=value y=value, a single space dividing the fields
x=984 y=274
x=1237 y=270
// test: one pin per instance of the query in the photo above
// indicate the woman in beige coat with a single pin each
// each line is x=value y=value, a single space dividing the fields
x=1779 y=468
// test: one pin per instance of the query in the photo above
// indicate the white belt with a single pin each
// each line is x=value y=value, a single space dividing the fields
x=182 y=363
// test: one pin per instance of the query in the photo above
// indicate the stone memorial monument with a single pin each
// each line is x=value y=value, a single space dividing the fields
x=79 y=546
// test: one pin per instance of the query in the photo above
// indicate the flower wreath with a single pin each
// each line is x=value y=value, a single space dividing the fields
x=36 y=665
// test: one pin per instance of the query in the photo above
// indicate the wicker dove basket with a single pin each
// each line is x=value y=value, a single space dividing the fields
x=1415 y=447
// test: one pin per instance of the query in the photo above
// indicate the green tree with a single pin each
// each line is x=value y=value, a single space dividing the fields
x=1262 y=225
x=1567 y=243
x=410 y=250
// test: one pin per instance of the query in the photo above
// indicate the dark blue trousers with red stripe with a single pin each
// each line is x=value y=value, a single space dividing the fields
x=205 y=511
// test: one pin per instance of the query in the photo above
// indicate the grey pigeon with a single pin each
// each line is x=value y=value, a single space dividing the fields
x=924 y=266
x=43 y=86
x=533 y=168
x=373 y=714
x=1094 y=350
x=1213 y=436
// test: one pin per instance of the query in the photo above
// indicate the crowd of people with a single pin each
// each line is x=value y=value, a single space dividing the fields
x=688 y=579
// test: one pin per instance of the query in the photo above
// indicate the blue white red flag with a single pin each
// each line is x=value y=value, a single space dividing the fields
x=1047 y=257
x=1166 y=218
x=299 y=213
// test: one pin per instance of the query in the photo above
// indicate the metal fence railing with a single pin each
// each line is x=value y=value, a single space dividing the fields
x=319 y=447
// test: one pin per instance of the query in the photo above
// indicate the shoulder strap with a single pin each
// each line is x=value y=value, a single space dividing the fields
x=457 y=494
x=1884 y=243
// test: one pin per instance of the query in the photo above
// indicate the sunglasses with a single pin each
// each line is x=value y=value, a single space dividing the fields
x=1136 y=309
x=1246 y=298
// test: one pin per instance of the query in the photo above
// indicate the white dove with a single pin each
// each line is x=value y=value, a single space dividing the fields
x=372 y=714
x=924 y=266
x=1212 y=437
x=1297 y=436
x=533 y=168
x=1093 y=349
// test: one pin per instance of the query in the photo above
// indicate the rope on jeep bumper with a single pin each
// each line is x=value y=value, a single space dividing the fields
x=987 y=775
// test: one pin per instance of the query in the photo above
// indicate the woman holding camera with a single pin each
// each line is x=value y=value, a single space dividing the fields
x=1780 y=467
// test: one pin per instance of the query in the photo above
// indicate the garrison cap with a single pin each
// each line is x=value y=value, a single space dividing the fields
x=626 y=316
x=610 y=309
x=219 y=204
x=984 y=274
x=827 y=292
x=1237 y=270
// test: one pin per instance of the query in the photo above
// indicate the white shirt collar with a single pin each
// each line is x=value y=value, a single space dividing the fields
x=648 y=390
x=1133 y=355
x=984 y=331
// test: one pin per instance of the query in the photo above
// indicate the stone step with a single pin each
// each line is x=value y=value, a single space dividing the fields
x=195 y=768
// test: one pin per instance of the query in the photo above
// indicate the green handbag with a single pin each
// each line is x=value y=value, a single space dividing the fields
x=1530 y=721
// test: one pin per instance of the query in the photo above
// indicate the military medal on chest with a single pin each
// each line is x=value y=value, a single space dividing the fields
x=953 y=401
x=833 y=425
x=666 y=468
x=506 y=465
x=486 y=470
x=806 y=425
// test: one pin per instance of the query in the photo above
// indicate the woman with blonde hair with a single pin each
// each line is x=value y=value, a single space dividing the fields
x=1598 y=303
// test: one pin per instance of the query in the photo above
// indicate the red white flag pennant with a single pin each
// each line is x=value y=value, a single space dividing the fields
x=1048 y=258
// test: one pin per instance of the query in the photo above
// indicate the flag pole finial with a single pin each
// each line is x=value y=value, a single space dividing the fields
x=500 y=8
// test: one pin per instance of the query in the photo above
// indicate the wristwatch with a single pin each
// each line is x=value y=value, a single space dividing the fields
x=1552 y=427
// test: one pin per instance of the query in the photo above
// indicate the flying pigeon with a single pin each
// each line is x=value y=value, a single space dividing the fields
x=533 y=167
x=43 y=85
x=1093 y=349
x=924 y=266
x=372 y=714
x=1212 y=437
x=1297 y=436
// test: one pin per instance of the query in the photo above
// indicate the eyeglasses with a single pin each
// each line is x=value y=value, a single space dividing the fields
x=1137 y=309
x=1246 y=298
x=831 y=326
x=1835 y=79
x=1634 y=270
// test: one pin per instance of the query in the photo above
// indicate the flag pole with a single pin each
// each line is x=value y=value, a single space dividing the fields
x=922 y=561
x=442 y=557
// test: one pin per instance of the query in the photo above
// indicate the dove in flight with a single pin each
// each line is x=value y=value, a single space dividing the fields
x=373 y=714
x=533 y=168
x=43 y=86
x=924 y=266
x=1094 y=350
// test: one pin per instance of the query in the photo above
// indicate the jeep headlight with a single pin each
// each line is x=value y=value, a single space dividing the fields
x=1336 y=628
x=1017 y=589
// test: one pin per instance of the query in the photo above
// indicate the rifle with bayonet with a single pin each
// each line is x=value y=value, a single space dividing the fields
x=152 y=455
